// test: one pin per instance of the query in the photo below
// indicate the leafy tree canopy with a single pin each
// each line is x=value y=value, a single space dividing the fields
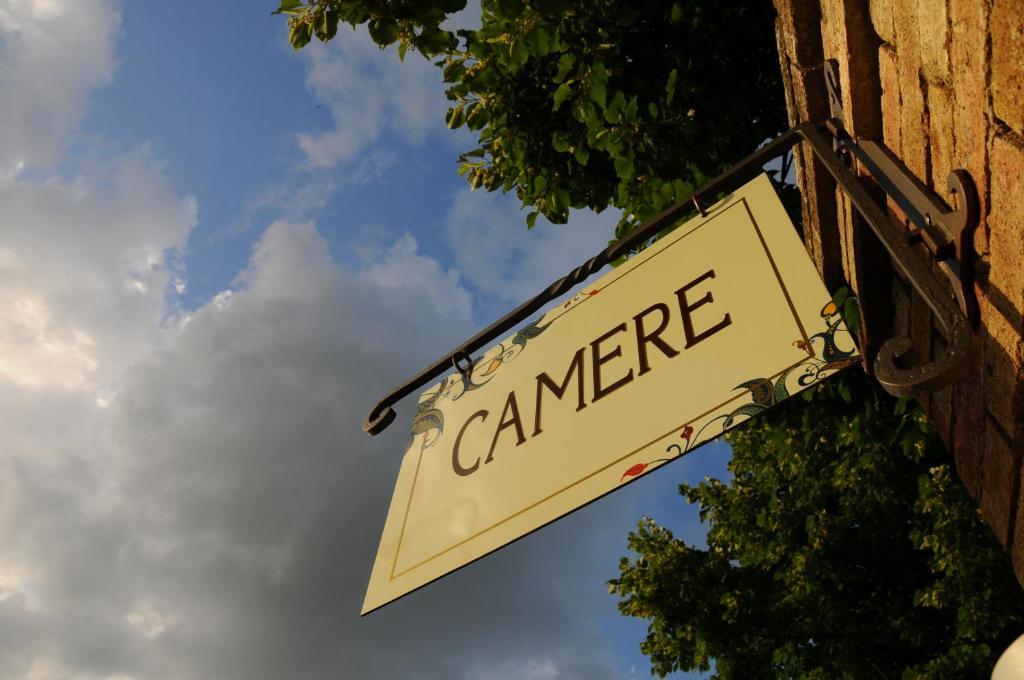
x=843 y=547
x=587 y=103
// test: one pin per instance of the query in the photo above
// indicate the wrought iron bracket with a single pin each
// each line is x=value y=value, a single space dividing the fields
x=946 y=232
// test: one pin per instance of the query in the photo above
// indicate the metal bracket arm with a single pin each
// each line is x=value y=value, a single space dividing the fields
x=947 y=230
x=890 y=365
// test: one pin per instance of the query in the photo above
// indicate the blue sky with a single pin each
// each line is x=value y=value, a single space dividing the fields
x=215 y=254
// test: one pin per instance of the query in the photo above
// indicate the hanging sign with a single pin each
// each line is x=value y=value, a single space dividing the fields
x=709 y=326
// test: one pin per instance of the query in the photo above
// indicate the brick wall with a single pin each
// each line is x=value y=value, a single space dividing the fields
x=941 y=82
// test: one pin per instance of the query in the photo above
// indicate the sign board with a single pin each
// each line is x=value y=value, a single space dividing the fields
x=709 y=326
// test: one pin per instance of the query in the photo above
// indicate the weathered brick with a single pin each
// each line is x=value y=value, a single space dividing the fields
x=971 y=123
x=889 y=76
x=892 y=137
x=881 y=19
x=1000 y=476
x=933 y=25
x=848 y=38
x=940 y=414
x=913 y=123
x=901 y=306
x=967 y=437
x=1006 y=227
x=833 y=35
x=1002 y=357
x=786 y=68
x=844 y=219
x=808 y=96
x=798 y=31
x=1008 y=62
x=1017 y=540
x=806 y=101
x=940 y=135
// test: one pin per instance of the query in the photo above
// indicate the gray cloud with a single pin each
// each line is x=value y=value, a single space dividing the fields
x=54 y=53
x=229 y=529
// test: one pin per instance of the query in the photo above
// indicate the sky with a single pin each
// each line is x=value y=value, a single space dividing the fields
x=215 y=255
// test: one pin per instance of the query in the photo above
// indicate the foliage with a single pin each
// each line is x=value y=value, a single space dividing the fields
x=844 y=546
x=410 y=23
x=588 y=103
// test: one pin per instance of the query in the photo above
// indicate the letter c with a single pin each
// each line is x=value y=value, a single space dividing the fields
x=459 y=470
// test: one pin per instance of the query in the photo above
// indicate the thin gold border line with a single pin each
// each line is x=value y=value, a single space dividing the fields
x=583 y=479
x=807 y=345
x=405 y=517
x=778 y=275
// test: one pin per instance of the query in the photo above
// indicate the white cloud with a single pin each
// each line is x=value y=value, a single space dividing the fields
x=149 y=620
x=85 y=266
x=52 y=54
x=369 y=93
x=495 y=252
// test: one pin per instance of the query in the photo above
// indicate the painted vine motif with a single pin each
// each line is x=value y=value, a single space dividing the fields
x=765 y=392
x=429 y=419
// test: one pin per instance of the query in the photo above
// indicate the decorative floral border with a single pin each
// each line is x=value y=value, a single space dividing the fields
x=764 y=392
x=429 y=419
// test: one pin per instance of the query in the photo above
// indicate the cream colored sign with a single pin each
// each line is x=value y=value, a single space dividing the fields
x=711 y=325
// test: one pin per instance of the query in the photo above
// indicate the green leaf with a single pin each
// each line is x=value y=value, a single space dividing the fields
x=624 y=167
x=581 y=154
x=479 y=117
x=677 y=13
x=560 y=141
x=562 y=92
x=851 y=315
x=433 y=40
x=670 y=86
x=565 y=64
x=844 y=391
x=383 y=31
x=682 y=189
x=597 y=93
x=541 y=41
x=455 y=117
x=613 y=111
x=327 y=27
x=454 y=70
x=631 y=110
x=289 y=7
x=518 y=53
x=531 y=219
x=562 y=197
x=299 y=35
